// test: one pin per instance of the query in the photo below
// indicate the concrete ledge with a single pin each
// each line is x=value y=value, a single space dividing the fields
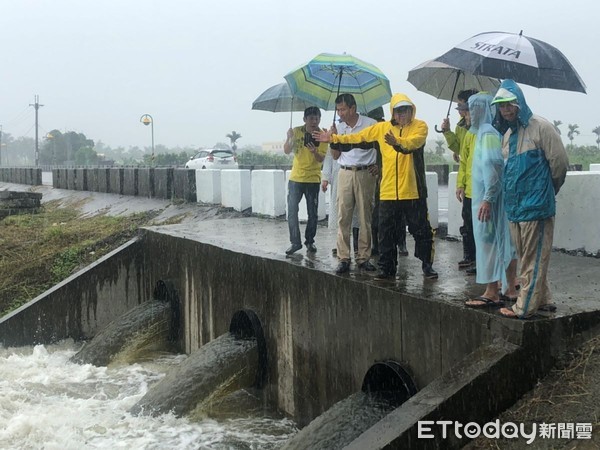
x=594 y=167
x=268 y=192
x=236 y=189
x=208 y=186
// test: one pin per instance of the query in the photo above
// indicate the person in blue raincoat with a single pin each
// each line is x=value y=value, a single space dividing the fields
x=535 y=170
x=496 y=256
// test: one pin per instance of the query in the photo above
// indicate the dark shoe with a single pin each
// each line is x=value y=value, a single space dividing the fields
x=402 y=251
x=293 y=249
x=367 y=266
x=429 y=272
x=311 y=248
x=343 y=267
x=471 y=271
x=334 y=251
x=467 y=262
x=382 y=275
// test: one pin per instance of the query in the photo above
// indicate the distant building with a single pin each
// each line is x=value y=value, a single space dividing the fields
x=273 y=147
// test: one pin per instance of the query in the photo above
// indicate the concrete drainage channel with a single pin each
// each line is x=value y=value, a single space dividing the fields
x=314 y=349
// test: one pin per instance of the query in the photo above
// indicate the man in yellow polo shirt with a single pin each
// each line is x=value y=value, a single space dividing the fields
x=305 y=178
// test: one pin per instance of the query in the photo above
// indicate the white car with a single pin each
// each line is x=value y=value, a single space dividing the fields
x=213 y=158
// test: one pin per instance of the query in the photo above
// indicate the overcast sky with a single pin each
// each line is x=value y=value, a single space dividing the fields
x=196 y=66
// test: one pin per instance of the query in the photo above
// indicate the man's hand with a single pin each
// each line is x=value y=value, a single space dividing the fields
x=390 y=139
x=373 y=170
x=324 y=185
x=322 y=136
x=485 y=211
x=445 y=125
x=290 y=133
x=460 y=194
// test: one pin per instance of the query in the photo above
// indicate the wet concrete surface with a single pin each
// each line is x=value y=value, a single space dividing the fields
x=574 y=281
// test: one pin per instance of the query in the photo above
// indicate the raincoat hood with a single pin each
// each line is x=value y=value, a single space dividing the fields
x=397 y=98
x=482 y=111
x=524 y=111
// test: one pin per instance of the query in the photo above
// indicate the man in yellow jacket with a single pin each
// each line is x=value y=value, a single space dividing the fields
x=403 y=188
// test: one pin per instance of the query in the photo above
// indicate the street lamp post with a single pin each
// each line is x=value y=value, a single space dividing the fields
x=147 y=119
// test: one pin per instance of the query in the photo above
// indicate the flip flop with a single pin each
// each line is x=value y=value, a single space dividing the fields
x=548 y=307
x=506 y=298
x=487 y=302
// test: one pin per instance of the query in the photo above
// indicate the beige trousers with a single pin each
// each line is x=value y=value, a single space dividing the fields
x=533 y=241
x=355 y=189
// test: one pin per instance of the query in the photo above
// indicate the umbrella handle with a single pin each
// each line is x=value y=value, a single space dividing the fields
x=437 y=130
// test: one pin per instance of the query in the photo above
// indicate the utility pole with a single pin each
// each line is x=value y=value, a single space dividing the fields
x=37 y=106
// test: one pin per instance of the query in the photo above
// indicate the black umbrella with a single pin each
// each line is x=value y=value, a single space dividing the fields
x=521 y=58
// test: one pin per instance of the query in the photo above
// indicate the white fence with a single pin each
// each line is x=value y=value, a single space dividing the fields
x=577 y=214
x=265 y=191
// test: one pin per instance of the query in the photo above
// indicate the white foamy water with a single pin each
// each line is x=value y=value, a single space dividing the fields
x=47 y=402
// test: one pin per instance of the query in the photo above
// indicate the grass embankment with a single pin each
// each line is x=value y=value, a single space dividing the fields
x=39 y=250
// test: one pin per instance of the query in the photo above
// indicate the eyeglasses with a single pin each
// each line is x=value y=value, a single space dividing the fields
x=403 y=110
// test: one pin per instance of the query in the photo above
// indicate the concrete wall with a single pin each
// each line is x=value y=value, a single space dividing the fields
x=577 y=214
x=208 y=186
x=320 y=345
x=84 y=303
x=236 y=189
x=21 y=175
x=594 y=167
x=268 y=192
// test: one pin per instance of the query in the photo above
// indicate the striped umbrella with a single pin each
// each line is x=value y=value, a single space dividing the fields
x=322 y=79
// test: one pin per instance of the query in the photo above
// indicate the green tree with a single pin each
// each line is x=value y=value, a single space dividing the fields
x=596 y=131
x=557 y=123
x=61 y=148
x=233 y=137
x=573 y=130
x=86 y=156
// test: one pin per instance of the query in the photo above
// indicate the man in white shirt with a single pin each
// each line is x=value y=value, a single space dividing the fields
x=356 y=186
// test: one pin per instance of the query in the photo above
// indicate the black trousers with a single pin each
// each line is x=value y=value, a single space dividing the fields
x=466 y=231
x=391 y=224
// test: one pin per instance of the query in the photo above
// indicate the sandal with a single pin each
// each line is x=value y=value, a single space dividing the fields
x=548 y=307
x=484 y=302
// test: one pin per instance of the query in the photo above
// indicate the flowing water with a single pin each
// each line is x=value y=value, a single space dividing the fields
x=221 y=366
x=341 y=424
x=48 y=402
